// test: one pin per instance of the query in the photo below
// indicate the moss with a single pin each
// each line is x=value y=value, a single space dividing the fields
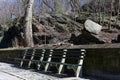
x=109 y=30
x=9 y=21
x=63 y=25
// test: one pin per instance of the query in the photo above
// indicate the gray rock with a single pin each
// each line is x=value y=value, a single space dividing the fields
x=92 y=38
x=118 y=38
x=92 y=27
x=43 y=20
x=59 y=18
x=117 y=25
x=59 y=28
x=81 y=19
x=53 y=41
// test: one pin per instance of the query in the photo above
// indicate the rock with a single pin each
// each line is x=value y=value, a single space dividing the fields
x=78 y=40
x=43 y=20
x=59 y=28
x=51 y=21
x=118 y=38
x=81 y=19
x=92 y=27
x=85 y=38
x=41 y=39
x=59 y=18
x=54 y=41
x=118 y=25
x=92 y=38
x=119 y=17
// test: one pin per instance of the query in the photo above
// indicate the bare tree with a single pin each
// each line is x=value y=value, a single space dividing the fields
x=75 y=5
x=118 y=11
x=111 y=10
x=57 y=6
x=28 y=24
x=47 y=4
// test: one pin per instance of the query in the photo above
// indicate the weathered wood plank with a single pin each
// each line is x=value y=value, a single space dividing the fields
x=62 y=61
x=32 y=57
x=41 y=59
x=24 y=55
x=49 y=60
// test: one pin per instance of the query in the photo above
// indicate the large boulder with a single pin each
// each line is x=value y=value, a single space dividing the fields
x=86 y=38
x=92 y=38
x=92 y=27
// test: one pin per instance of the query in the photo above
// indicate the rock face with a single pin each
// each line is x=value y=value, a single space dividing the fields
x=90 y=34
x=92 y=27
x=118 y=38
x=92 y=38
x=86 y=38
x=46 y=30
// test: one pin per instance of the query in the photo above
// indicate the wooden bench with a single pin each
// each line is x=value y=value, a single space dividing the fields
x=58 y=57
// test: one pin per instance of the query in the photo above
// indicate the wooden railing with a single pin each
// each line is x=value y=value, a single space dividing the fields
x=58 y=57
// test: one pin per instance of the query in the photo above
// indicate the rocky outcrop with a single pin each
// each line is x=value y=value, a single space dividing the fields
x=55 y=28
x=92 y=27
x=48 y=29
x=118 y=25
x=118 y=38
x=92 y=38
x=77 y=40
x=59 y=18
x=86 y=38
x=90 y=34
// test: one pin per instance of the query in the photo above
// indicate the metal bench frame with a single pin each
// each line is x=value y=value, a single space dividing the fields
x=49 y=55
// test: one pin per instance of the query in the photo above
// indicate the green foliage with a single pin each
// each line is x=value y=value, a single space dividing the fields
x=9 y=21
x=118 y=25
x=110 y=30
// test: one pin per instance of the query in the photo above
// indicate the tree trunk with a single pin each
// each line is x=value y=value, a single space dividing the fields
x=118 y=11
x=28 y=25
x=99 y=9
x=103 y=15
x=57 y=6
x=111 y=9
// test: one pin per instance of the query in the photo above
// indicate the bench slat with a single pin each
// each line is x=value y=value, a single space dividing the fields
x=60 y=57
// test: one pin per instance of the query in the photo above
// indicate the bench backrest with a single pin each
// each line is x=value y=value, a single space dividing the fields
x=61 y=57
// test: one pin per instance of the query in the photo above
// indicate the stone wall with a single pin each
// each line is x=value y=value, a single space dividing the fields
x=10 y=55
x=103 y=63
